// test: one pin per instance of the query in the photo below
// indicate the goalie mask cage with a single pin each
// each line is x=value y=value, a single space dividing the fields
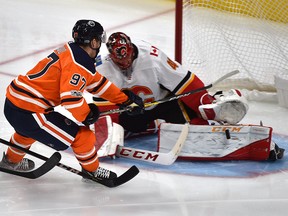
x=214 y=37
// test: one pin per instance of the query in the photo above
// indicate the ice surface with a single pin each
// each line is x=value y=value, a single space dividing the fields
x=29 y=31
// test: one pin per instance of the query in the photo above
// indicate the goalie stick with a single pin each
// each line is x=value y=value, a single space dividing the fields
x=232 y=73
x=44 y=168
x=155 y=157
x=125 y=177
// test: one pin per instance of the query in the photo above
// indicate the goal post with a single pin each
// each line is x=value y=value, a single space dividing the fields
x=213 y=37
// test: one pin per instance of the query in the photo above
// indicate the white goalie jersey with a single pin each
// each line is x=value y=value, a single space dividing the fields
x=150 y=69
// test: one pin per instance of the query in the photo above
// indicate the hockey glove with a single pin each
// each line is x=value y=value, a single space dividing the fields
x=134 y=101
x=228 y=107
x=93 y=115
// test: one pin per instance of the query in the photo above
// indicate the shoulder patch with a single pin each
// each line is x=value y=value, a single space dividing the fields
x=154 y=51
x=98 y=60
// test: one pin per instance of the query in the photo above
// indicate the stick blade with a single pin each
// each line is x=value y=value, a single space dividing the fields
x=46 y=167
x=125 y=177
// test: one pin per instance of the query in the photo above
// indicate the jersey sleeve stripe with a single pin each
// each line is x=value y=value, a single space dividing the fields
x=184 y=83
x=67 y=100
x=38 y=94
x=20 y=90
x=95 y=84
x=99 y=84
x=75 y=105
x=103 y=90
x=27 y=99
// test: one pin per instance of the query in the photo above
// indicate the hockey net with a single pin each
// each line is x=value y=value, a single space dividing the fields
x=214 y=37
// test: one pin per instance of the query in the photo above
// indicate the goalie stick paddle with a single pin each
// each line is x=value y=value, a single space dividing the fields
x=44 y=168
x=232 y=73
x=156 y=157
x=125 y=177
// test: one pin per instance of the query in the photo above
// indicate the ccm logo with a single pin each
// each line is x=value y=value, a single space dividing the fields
x=138 y=154
x=223 y=129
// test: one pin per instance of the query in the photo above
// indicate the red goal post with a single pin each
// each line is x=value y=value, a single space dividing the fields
x=213 y=37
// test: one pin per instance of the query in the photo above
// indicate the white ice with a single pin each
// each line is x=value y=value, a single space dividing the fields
x=30 y=29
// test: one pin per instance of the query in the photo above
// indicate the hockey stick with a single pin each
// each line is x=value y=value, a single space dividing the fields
x=128 y=175
x=46 y=167
x=232 y=73
x=155 y=157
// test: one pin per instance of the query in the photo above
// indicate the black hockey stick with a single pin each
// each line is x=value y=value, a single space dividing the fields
x=44 y=168
x=232 y=73
x=125 y=177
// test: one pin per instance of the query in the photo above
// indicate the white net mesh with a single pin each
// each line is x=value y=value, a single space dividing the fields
x=251 y=36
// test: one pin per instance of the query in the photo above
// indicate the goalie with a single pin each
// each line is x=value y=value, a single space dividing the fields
x=149 y=73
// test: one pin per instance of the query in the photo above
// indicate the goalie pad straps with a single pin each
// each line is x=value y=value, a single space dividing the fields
x=228 y=107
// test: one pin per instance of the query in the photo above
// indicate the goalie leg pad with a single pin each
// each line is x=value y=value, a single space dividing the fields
x=211 y=143
x=108 y=136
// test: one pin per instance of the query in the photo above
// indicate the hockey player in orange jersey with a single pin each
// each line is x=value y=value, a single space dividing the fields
x=60 y=79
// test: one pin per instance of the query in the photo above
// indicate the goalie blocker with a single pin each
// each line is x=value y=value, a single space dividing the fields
x=221 y=142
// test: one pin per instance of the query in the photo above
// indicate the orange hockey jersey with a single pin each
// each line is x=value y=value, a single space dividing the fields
x=60 y=79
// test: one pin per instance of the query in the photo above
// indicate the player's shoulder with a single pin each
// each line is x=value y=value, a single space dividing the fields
x=105 y=66
x=148 y=50
x=80 y=57
x=103 y=60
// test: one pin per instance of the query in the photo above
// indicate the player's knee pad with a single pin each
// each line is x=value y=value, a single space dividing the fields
x=229 y=107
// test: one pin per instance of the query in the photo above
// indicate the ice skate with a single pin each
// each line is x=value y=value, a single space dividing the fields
x=100 y=173
x=24 y=165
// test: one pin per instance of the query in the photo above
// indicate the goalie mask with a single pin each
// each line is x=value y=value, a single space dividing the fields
x=121 y=50
x=86 y=30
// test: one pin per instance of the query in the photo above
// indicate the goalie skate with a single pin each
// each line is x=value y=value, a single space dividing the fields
x=276 y=153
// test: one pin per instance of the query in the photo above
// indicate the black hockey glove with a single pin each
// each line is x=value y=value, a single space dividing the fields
x=133 y=99
x=93 y=115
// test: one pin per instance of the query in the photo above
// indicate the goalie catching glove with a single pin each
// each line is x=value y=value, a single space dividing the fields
x=134 y=101
x=229 y=107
